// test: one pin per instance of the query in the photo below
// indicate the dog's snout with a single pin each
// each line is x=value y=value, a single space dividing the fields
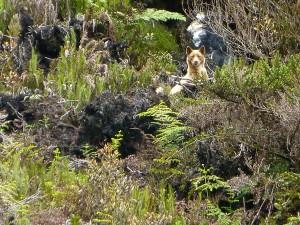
x=196 y=62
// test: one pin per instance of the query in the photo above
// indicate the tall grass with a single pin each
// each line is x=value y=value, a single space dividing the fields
x=6 y=13
x=26 y=182
x=72 y=79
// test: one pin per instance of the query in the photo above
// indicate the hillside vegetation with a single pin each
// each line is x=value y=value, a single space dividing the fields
x=85 y=139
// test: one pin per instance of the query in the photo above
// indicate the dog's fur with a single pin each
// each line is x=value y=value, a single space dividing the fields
x=196 y=68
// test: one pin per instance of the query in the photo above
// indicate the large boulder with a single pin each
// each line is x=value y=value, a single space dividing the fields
x=103 y=118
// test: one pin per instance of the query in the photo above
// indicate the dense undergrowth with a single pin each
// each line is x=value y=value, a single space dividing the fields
x=227 y=154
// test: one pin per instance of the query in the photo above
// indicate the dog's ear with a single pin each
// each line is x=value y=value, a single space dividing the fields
x=188 y=50
x=202 y=50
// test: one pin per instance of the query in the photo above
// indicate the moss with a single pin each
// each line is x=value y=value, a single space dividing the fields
x=278 y=165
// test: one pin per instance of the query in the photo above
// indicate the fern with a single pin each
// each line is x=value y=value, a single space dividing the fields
x=116 y=141
x=159 y=15
x=170 y=137
x=171 y=130
x=294 y=220
x=215 y=212
x=207 y=183
x=25 y=178
x=89 y=151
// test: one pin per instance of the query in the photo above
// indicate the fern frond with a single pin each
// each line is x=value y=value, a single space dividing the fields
x=208 y=182
x=215 y=212
x=159 y=15
x=171 y=130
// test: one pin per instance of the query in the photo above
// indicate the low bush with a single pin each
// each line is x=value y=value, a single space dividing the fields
x=259 y=82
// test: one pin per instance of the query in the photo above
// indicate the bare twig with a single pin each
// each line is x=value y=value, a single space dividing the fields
x=19 y=115
x=250 y=28
x=32 y=198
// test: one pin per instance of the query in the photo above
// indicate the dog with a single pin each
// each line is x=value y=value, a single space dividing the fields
x=196 y=69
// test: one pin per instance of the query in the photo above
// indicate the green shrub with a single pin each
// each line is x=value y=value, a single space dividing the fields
x=123 y=78
x=294 y=220
x=118 y=5
x=215 y=212
x=287 y=197
x=113 y=197
x=62 y=184
x=144 y=39
x=73 y=7
x=238 y=82
x=264 y=99
x=143 y=207
x=120 y=78
x=158 y=62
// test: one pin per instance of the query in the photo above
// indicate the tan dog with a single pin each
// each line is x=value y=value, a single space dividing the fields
x=196 y=68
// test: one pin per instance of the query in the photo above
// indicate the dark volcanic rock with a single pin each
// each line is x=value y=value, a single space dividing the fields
x=13 y=105
x=110 y=113
x=48 y=40
x=54 y=127
x=16 y=111
x=22 y=53
x=210 y=155
x=1 y=42
x=26 y=21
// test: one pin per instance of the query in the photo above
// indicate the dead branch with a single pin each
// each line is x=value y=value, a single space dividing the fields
x=251 y=28
x=32 y=198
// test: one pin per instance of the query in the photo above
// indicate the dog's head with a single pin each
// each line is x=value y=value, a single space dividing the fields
x=195 y=57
